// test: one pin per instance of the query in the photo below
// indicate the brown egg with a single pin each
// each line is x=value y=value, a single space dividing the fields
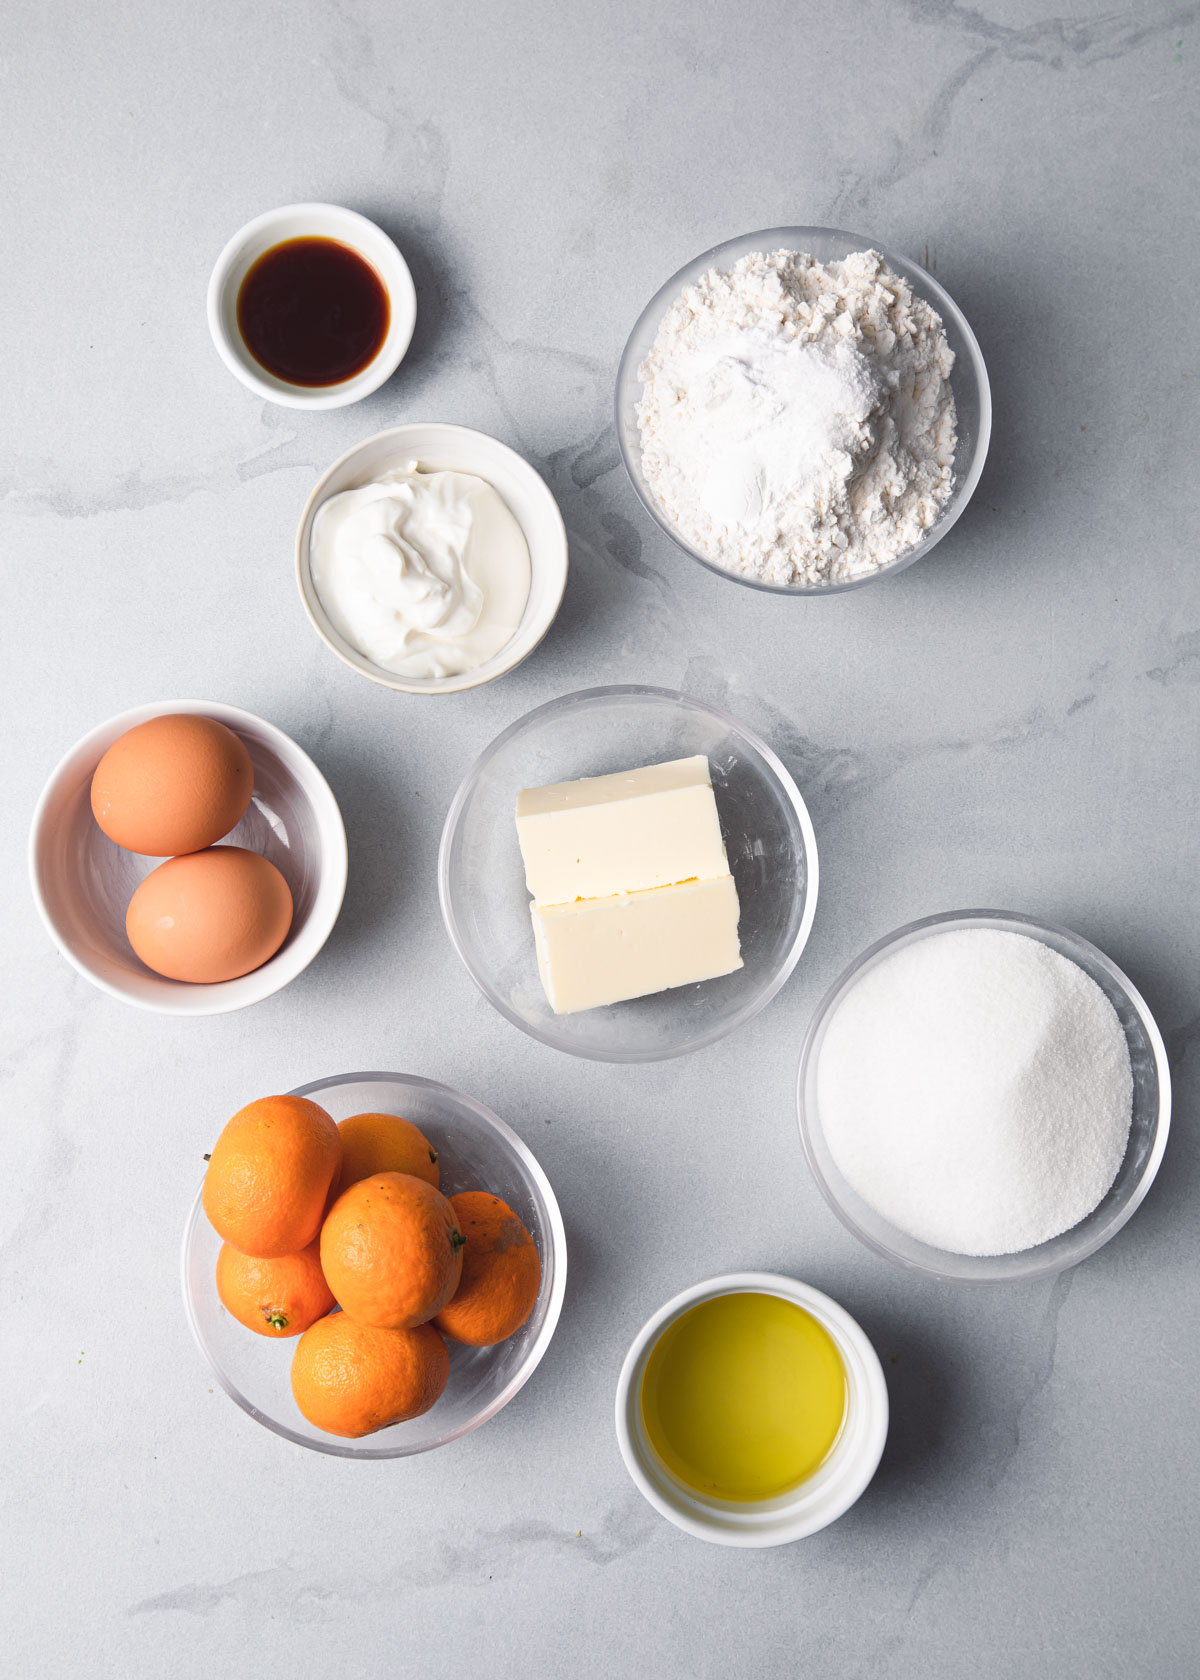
x=175 y=784
x=209 y=916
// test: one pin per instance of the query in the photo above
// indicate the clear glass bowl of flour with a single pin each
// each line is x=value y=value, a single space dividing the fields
x=1143 y=1153
x=969 y=383
x=769 y=841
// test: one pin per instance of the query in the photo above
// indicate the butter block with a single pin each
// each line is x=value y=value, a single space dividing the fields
x=623 y=833
x=604 y=950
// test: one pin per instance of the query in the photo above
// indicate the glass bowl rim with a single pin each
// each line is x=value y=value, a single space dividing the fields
x=932 y=291
x=786 y=782
x=947 y=921
x=537 y=1349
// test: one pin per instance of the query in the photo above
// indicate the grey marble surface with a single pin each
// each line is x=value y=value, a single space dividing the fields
x=1011 y=722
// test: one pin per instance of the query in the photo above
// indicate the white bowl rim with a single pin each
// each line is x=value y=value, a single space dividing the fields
x=558 y=1241
x=937 y=294
x=492 y=668
x=786 y=782
x=947 y=921
x=211 y=999
x=402 y=301
x=841 y=1324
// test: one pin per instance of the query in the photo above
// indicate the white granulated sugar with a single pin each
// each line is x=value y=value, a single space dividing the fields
x=796 y=418
x=975 y=1089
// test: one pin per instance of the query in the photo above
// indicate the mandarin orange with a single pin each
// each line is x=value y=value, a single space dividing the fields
x=375 y=1143
x=351 y=1379
x=278 y=1297
x=501 y=1273
x=269 y=1176
x=391 y=1250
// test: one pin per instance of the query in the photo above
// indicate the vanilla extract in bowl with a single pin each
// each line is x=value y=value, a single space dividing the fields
x=313 y=312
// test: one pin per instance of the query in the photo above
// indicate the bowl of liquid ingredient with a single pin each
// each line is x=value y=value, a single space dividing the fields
x=768 y=840
x=727 y=378
x=290 y=843
x=475 y=1150
x=311 y=306
x=751 y=1410
x=1014 y=1107
x=431 y=558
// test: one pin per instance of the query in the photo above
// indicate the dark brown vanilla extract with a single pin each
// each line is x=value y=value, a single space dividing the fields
x=313 y=312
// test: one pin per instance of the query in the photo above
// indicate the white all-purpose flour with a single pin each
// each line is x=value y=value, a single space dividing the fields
x=796 y=419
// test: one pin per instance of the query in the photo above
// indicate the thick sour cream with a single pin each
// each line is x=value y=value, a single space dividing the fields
x=425 y=573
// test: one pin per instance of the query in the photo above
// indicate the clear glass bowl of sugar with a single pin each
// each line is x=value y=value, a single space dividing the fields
x=1143 y=1154
x=969 y=382
x=768 y=837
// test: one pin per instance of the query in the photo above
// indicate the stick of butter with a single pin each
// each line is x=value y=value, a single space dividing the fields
x=620 y=834
x=604 y=950
x=631 y=886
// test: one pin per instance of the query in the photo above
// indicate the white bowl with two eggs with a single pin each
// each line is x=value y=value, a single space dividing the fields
x=82 y=882
x=436 y=448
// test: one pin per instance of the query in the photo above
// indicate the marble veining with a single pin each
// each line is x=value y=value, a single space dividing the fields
x=1015 y=720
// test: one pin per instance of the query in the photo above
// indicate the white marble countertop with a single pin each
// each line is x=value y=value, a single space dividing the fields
x=1011 y=722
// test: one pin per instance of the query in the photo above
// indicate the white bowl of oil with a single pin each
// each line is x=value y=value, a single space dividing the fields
x=751 y=1410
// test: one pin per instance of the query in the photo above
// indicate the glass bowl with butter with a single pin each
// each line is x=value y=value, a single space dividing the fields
x=635 y=889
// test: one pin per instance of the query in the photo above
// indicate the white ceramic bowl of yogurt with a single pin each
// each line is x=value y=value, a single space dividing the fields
x=436 y=448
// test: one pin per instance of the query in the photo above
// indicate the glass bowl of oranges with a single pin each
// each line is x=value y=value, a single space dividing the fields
x=458 y=1216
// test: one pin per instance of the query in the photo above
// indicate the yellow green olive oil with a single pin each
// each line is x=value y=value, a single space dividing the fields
x=744 y=1396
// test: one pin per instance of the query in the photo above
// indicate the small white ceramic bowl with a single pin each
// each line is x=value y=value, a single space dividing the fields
x=310 y=221
x=440 y=448
x=817 y=1502
x=82 y=882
